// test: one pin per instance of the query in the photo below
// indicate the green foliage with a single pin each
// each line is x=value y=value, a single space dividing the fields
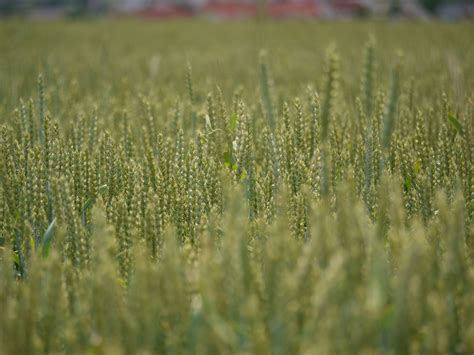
x=307 y=204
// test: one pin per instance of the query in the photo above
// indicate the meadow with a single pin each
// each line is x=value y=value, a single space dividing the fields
x=190 y=187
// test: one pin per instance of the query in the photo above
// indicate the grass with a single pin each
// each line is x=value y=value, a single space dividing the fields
x=267 y=188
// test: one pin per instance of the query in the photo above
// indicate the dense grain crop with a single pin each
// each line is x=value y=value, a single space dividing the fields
x=240 y=188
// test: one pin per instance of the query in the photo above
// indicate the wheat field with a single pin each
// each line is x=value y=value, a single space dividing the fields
x=189 y=187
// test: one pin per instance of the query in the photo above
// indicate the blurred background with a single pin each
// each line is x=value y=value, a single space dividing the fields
x=240 y=9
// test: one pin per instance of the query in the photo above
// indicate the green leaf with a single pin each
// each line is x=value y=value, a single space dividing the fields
x=227 y=158
x=90 y=202
x=16 y=258
x=48 y=237
x=388 y=314
x=407 y=184
x=454 y=121
x=417 y=166
x=243 y=176
x=233 y=122
x=32 y=245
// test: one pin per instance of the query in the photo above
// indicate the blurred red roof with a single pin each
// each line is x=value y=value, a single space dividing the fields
x=245 y=9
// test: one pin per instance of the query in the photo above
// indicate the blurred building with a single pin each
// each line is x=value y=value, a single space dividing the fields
x=273 y=8
x=223 y=9
x=456 y=10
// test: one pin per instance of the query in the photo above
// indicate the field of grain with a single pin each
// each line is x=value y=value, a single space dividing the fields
x=236 y=188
